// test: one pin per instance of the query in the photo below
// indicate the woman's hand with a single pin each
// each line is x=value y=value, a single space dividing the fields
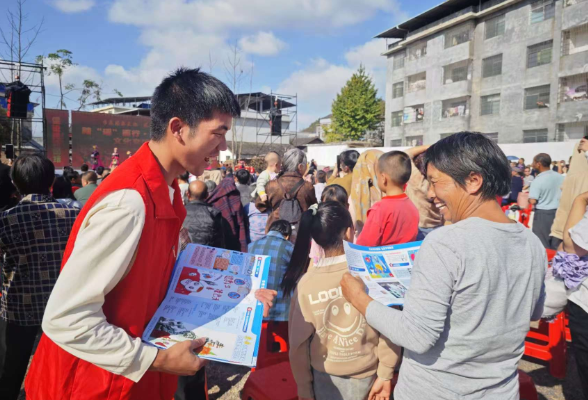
x=381 y=390
x=266 y=296
x=353 y=290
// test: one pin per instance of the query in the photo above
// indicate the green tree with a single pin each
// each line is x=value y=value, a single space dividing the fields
x=89 y=89
x=357 y=108
x=60 y=61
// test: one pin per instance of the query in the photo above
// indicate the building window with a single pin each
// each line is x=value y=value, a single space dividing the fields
x=537 y=97
x=574 y=88
x=495 y=27
x=457 y=37
x=397 y=118
x=413 y=141
x=455 y=108
x=539 y=54
x=542 y=10
x=492 y=66
x=413 y=114
x=490 y=105
x=416 y=82
x=396 y=143
x=398 y=61
x=456 y=72
x=535 y=136
x=417 y=51
x=492 y=136
x=397 y=90
x=575 y=40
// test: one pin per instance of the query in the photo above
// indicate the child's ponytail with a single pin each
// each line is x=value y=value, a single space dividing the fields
x=325 y=224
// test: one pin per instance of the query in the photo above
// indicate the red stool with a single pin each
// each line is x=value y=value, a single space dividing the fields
x=548 y=343
x=271 y=383
x=527 y=389
x=274 y=336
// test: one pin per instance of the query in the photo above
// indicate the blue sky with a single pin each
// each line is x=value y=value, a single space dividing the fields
x=309 y=47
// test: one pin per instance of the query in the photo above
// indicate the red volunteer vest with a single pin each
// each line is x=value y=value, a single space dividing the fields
x=56 y=374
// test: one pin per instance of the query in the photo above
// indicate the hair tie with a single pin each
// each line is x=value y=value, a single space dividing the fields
x=314 y=209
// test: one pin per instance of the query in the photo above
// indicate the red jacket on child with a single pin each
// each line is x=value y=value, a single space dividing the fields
x=392 y=220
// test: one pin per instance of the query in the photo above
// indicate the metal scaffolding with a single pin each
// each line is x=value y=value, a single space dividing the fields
x=33 y=76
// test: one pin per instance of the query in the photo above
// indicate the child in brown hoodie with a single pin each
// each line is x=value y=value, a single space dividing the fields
x=334 y=353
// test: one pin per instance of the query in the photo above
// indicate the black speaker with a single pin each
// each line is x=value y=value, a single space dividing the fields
x=18 y=100
x=9 y=151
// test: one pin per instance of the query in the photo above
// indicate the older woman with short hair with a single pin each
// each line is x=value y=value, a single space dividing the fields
x=290 y=180
x=475 y=285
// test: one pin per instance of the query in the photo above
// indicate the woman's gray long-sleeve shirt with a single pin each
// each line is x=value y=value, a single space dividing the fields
x=475 y=287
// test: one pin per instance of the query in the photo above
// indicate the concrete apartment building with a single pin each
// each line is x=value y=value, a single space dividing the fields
x=514 y=70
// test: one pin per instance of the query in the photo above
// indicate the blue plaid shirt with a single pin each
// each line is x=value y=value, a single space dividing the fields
x=33 y=236
x=280 y=250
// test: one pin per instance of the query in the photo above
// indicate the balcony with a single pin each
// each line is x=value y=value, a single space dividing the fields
x=455 y=108
x=575 y=14
x=413 y=114
x=417 y=82
x=574 y=50
x=573 y=88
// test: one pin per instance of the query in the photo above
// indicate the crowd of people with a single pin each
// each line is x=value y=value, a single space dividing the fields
x=86 y=259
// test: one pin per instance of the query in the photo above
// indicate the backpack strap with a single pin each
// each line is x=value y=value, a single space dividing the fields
x=289 y=195
x=296 y=188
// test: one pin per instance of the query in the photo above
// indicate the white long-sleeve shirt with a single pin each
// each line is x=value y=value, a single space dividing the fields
x=103 y=255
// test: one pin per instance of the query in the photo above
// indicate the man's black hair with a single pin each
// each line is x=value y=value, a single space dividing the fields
x=243 y=176
x=70 y=174
x=100 y=170
x=543 y=159
x=349 y=158
x=396 y=164
x=192 y=96
x=282 y=226
x=185 y=176
x=321 y=176
x=62 y=188
x=463 y=153
x=33 y=174
x=84 y=168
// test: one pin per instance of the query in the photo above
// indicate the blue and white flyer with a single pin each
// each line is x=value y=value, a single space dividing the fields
x=212 y=295
x=385 y=270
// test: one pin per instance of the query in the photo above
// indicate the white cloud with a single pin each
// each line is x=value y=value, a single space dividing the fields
x=318 y=83
x=201 y=33
x=262 y=44
x=73 y=6
x=217 y=16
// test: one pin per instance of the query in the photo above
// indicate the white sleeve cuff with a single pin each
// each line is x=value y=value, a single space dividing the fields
x=142 y=362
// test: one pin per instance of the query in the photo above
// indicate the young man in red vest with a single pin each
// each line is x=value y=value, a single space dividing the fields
x=120 y=255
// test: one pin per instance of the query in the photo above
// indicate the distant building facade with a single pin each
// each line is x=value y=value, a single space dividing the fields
x=253 y=126
x=514 y=70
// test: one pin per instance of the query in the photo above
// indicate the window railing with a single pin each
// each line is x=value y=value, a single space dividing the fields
x=573 y=88
x=455 y=108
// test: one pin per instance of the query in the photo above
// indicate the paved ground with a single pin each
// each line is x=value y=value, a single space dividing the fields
x=225 y=381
